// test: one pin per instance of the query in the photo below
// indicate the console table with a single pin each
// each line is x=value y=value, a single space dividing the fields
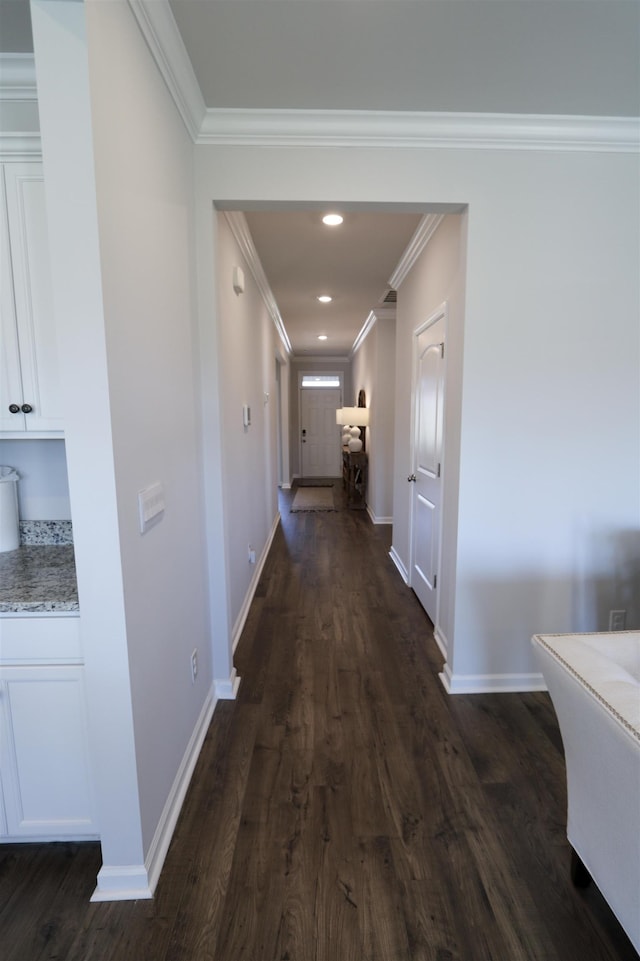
x=355 y=466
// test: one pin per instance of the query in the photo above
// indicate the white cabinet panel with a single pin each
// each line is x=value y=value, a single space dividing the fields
x=29 y=367
x=44 y=754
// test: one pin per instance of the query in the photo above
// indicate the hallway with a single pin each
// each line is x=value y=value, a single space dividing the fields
x=344 y=807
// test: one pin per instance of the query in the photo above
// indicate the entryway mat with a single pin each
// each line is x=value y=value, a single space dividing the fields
x=313 y=499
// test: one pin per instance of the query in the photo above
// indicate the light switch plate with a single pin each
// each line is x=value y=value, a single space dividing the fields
x=150 y=505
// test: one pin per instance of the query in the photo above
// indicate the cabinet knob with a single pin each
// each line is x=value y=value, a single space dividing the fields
x=26 y=408
x=14 y=409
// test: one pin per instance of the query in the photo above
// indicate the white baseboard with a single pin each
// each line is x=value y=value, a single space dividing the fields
x=226 y=690
x=123 y=882
x=378 y=520
x=441 y=641
x=285 y=487
x=404 y=573
x=241 y=619
x=133 y=882
x=490 y=683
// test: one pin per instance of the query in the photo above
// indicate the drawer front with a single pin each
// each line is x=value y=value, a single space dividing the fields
x=37 y=639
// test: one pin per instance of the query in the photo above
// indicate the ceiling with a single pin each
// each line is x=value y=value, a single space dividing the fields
x=495 y=56
x=352 y=263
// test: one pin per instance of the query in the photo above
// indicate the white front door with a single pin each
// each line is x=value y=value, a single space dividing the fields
x=319 y=433
x=426 y=476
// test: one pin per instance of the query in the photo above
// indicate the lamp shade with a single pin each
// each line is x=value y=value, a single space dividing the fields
x=356 y=416
x=339 y=419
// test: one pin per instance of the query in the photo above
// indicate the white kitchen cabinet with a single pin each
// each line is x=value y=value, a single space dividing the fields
x=45 y=772
x=30 y=396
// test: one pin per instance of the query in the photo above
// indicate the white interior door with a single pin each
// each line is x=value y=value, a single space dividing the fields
x=319 y=433
x=426 y=476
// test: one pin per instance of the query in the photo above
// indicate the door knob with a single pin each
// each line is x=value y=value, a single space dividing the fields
x=412 y=478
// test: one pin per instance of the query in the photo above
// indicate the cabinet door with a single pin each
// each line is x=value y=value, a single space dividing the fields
x=10 y=375
x=44 y=753
x=29 y=247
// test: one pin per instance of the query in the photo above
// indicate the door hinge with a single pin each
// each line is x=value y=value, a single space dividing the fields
x=435 y=581
x=438 y=474
x=442 y=349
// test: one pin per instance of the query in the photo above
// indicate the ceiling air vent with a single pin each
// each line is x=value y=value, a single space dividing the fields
x=390 y=297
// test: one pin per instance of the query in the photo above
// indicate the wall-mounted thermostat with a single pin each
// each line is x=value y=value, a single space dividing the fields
x=246 y=415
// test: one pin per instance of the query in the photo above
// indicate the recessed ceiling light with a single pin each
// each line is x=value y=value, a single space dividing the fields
x=322 y=336
x=332 y=220
x=325 y=299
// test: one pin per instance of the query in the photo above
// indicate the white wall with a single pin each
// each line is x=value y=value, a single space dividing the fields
x=373 y=370
x=144 y=186
x=248 y=345
x=43 y=490
x=437 y=277
x=65 y=113
x=549 y=399
x=124 y=282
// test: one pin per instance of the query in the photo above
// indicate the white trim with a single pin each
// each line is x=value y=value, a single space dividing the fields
x=168 y=819
x=285 y=487
x=20 y=146
x=248 y=600
x=490 y=683
x=123 y=883
x=378 y=313
x=426 y=229
x=441 y=641
x=395 y=557
x=378 y=520
x=323 y=360
x=226 y=690
x=18 y=77
x=159 y=29
x=364 y=332
x=441 y=313
x=240 y=230
x=127 y=883
x=373 y=128
x=368 y=128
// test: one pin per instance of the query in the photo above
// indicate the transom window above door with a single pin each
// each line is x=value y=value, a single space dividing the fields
x=320 y=380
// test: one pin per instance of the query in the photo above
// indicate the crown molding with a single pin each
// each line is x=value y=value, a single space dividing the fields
x=240 y=230
x=364 y=128
x=426 y=229
x=159 y=29
x=378 y=313
x=20 y=146
x=313 y=357
x=18 y=76
x=361 y=128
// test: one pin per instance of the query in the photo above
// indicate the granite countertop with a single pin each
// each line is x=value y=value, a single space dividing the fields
x=38 y=578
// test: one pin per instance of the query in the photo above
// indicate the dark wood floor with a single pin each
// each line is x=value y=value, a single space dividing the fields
x=344 y=807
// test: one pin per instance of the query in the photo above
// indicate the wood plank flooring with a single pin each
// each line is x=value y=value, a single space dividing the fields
x=344 y=807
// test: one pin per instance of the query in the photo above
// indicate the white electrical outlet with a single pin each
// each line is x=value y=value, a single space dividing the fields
x=194 y=665
x=617 y=620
